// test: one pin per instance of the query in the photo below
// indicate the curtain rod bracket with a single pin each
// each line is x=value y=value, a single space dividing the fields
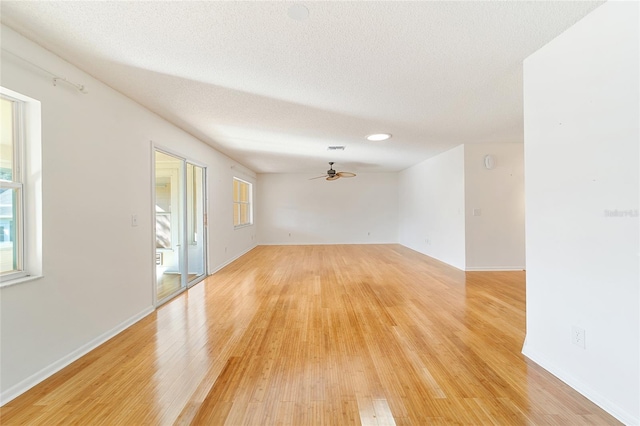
x=79 y=87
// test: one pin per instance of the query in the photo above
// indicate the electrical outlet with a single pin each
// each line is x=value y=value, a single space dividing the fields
x=577 y=336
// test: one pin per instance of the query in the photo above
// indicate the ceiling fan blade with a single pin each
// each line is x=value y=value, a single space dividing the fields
x=318 y=177
x=333 y=177
x=346 y=174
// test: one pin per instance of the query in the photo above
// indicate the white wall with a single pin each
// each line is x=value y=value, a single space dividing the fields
x=494 y=237
x=96 y=170
x=581 y=155
x=291 y=209
x=431 y=216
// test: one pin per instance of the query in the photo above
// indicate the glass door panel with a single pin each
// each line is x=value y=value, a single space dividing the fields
x=195 y=223
x=170 y=215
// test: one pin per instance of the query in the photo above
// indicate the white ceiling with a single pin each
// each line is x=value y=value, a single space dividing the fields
x=273 y=92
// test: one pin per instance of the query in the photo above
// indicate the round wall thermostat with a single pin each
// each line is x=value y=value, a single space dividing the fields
x=489 y=162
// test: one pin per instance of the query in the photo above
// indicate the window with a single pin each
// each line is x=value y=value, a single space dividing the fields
x=11 y=190
x=242 y=214
x=20 y=188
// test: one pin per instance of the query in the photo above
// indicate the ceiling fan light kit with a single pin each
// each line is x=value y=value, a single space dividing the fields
x=334 y=175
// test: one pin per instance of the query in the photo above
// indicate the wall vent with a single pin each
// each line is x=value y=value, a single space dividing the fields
x=335 y=148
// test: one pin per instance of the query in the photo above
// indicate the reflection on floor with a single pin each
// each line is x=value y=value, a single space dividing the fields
x=319 y=335
x=170 y=283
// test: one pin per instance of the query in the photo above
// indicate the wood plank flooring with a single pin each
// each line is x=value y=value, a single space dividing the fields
x=170 y=283
x=319 y=335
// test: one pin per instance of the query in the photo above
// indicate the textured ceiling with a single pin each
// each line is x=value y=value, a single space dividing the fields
x=273 y=92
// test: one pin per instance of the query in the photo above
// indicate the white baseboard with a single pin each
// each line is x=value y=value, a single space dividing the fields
x=582 y=388
x=433 y=257
x=494 y=268
x=233 y=259
x=26 y=384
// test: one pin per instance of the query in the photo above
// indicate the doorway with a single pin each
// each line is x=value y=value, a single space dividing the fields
x=180 y=225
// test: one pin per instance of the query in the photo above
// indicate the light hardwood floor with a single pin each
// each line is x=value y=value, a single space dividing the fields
x=170 y=283
x=313 y=335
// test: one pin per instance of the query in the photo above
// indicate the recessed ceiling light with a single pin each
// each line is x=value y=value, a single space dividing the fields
x=379 y=136
x=299 y=12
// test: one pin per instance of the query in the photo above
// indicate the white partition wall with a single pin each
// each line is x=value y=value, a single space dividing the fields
x=432 y=207
x=494 y=206
x=457 y=210
x=582 y=192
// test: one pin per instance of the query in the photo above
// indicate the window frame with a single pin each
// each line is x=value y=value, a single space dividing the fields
x=17 y=183
x=236 y=201
x=29 y=161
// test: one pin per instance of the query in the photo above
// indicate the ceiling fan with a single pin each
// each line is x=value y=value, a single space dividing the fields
x=333 y=175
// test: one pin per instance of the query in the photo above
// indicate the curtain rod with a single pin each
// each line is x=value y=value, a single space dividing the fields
x=55 y=77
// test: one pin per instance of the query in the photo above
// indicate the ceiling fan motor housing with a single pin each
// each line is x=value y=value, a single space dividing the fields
x=331 y=172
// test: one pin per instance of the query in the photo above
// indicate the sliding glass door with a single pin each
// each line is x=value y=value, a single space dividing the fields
x=196 y=218
x=180 y=225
